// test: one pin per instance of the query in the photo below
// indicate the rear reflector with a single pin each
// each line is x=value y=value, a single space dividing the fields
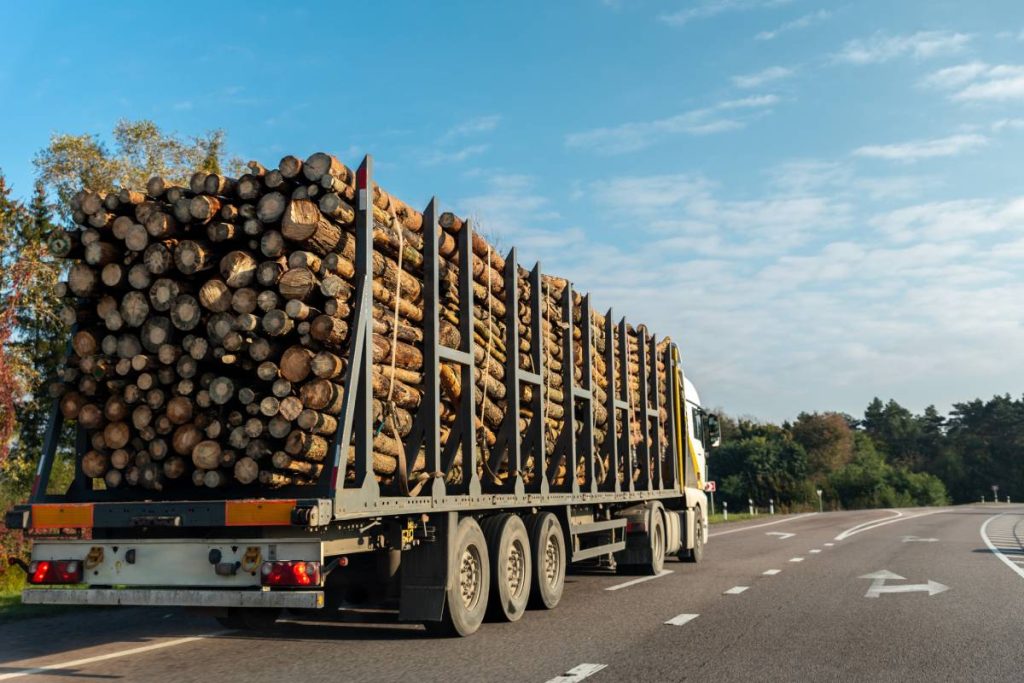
x=258 y=512
x=51 y=516
x=297 y=573
x=43 y=572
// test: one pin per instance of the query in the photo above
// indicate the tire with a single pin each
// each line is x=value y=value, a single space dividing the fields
x=508 y=546
x=696 y=553
x=547 y=546
x=657 y=536
x=466 y=598
x=249 y=618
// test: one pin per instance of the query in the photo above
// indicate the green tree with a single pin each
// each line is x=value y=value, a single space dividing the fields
x=828 y=440
x=140 y=151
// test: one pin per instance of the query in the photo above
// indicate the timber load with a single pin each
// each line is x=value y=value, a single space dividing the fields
x=214 y=327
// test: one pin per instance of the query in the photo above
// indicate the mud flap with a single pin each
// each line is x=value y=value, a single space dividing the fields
x=425 y=572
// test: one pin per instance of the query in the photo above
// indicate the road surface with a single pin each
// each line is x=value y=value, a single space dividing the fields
x=881 y=595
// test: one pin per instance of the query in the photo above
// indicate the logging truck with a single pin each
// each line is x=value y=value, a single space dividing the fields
x=293 y=393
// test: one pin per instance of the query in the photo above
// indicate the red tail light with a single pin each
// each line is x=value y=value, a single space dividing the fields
x=296 y=573
x=55 y=571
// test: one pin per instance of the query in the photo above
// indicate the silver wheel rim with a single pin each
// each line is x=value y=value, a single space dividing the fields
x=470 y=577
x=552 y=560
x=659 y=545
x=515 y=569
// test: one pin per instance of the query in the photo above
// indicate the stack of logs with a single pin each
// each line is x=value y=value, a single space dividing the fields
x=212 y=332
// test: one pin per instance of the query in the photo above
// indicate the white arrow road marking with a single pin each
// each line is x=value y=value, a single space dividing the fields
x=735 y=590
x=771 y=572
x=758 y=526
x=915 y=539
x=681 y=619
x=664 y=572
x=578 y=673
x=878 y=585
x=781 y=534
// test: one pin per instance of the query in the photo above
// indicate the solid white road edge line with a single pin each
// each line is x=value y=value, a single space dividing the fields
x=735 y=590
x=759 y=526
x=578 y=673
x=46 y=668
x=681 y=619
x=984 y=536
x=770 y=572
x=664 y=572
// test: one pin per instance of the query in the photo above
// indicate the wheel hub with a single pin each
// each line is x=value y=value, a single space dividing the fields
x=515 y=568
x=552 y=561
x=470 y=577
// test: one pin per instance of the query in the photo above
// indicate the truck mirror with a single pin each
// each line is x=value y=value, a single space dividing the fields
x=714 y=430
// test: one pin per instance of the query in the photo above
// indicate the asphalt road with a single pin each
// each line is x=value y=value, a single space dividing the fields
x=777 y=599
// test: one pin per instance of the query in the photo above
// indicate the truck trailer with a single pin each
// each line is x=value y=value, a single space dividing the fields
x=463 y=522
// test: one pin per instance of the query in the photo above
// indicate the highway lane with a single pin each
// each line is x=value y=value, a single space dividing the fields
x=811 y=618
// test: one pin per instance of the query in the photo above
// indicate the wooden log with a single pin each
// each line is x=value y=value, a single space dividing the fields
x=82 y=280
x=246 y=470
x=161 y=225
x=204 y=208
x=269 y=273
x=185 y=439
x=296 y=364
x=117 y=434
x=192 y=256
x=101 y=253
x=333 y=205
x=290 y=167
x=174 y=467
x=320 y=164
x=206 y=454
x=271 y=207
x=185 y=312
x=238 y=268
x=320 y=394
x=134 y=308
x=276 y=323
x=220 y=185
x=159 y=256
x=95 y=464
x=222 y=389
x=302 y=222
x=215 y=295
x=297 y=283
x=329 y=330
x=139 y=276
x=221 y=231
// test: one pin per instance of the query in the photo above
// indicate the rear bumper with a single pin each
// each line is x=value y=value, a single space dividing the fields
x=174 y=597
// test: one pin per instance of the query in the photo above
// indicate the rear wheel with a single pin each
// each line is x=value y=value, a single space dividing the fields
x=696 y=553
x=657 y=535
x=466 y=599
x=547 y=544
x=508 y=545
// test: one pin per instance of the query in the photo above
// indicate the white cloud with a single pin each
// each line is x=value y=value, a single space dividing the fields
x=951 y=220
x=977 y=81
x=630 y=137
x=882 y=47
x=759 y=78
x=802 y=22
x=474 y=126
x=712 y=8
x=915 y=150
x=455 y=156
x=955 y=76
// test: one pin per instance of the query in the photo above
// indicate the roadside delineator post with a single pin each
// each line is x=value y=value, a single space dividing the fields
x=725 y=511
x=771 y=506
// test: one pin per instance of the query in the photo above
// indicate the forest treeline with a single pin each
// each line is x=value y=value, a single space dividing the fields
x=888 y=458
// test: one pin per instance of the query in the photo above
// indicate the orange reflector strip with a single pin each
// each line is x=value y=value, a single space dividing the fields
x=58 y=516
x=258 y=512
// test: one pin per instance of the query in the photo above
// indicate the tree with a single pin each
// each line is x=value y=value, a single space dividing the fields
x=828 y=440
x=895 y=431
x=762 y=462
x=140 y=151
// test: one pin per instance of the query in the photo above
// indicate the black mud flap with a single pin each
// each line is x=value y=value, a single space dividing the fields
x=425 y=572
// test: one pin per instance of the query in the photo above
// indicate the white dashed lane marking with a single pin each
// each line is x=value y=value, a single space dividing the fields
x=681 y=619
x=736 y=590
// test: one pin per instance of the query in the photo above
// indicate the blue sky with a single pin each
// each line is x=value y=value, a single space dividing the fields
x=821 y=202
